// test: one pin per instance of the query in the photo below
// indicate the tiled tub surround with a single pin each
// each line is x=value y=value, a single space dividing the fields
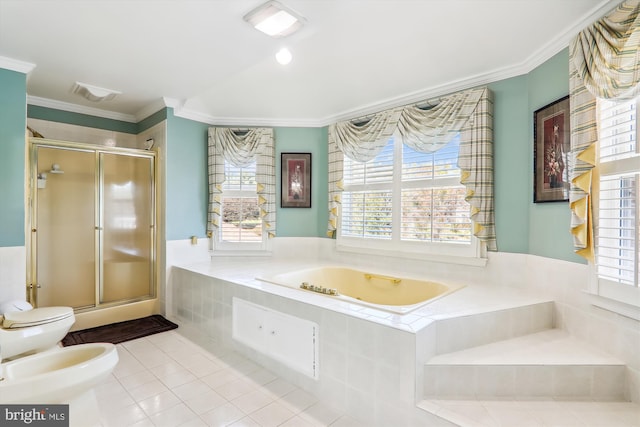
x=372 y=363
x=356 y=355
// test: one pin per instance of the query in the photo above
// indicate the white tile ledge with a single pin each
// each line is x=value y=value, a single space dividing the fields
x=550 y=347
x=244 y=254
x=478 y=413
x=614 y=306
x=473 y=299
x=469 y=261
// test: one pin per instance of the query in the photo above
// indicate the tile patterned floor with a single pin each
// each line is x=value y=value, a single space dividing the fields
x=166 y=380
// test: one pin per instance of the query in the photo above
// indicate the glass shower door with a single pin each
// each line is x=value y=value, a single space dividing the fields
x=64 y=229
x=127 y=227
x=92 y=225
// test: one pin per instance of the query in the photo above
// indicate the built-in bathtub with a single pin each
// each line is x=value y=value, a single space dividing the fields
x=384 y=292
x=385 y=352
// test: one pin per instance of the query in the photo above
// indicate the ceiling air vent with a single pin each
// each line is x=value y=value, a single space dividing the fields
x=94 y=93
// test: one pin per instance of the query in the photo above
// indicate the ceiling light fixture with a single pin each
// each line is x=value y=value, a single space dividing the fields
x=94 y=93
x=284 y=56
x=274 y=19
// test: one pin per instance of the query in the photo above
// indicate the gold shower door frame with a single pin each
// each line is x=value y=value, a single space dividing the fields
x=113 y=214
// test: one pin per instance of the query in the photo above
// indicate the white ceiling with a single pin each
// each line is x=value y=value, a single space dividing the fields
x=354 y=56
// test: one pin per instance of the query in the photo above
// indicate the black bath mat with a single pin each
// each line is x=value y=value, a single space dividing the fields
x=119 y=332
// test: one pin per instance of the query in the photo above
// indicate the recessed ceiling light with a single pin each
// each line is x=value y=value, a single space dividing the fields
x=284 y=56
x=274 y=19
x=94 y=93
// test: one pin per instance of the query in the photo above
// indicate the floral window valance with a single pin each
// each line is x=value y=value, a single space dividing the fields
x=468 y=113
x=242 y=147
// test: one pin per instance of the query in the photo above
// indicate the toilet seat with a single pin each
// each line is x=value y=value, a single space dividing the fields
x=37 y=316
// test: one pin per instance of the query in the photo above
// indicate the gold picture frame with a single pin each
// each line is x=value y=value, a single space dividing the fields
x=551 y=135
x=295 y=186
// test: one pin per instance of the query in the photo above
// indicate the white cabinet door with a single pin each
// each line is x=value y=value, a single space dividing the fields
x=285 y=338
x=249 y=324
x=292 y=341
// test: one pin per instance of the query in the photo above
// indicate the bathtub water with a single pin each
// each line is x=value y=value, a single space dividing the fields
x=389 y=293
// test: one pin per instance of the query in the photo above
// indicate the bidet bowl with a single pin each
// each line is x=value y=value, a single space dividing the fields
x=58 y=375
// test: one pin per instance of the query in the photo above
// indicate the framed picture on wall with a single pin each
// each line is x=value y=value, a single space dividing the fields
x=295 y=187
x=551 y=145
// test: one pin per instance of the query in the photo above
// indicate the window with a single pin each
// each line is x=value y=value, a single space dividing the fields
x=406 y=201
x=617 y=227
x=241 y=226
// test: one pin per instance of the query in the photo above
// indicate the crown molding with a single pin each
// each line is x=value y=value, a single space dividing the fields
x=80 y=109
x=536 y=59
x=15 y=65
x=529 y=64
x=186 y=113
x=424 y=94
x=174 y=103
x=150 y=109
x=563 y=40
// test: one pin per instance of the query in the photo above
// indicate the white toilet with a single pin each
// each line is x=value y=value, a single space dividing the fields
x=26 y=330
x=53 y=374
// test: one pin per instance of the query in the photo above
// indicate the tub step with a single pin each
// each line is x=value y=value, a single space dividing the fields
x=462 y=332
x=473 y=413
x=545 y=365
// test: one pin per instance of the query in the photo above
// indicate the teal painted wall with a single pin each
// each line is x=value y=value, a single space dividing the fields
x=511 y=164
x=548 y=222
x=59 y=116
x=152 y=120
x=186 y=178
x=304 y=222
x=187 y=194
x=13 y=122
x=521 y=225
x=53 y=115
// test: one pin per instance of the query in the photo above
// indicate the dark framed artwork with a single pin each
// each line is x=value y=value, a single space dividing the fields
x=295 y=187
x=551 y=145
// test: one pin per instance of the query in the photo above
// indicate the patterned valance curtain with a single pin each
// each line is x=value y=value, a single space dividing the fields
x=362 y=140
x=604 y=62
x=432 y=125
x=241 y=147
x=426 y=130
x=475 y=161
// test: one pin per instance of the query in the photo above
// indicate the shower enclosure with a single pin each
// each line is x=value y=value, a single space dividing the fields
x=92 y=218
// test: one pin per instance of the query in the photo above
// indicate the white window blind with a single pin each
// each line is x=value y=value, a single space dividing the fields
x=618 y=229
x=367 y=200
x=240 y=213
x=432 y=202
x=406 y=197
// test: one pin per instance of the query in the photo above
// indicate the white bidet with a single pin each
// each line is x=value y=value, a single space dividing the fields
x=57 y=375
x=64 y=375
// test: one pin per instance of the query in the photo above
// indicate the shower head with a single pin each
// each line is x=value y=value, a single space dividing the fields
x=55 y=168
